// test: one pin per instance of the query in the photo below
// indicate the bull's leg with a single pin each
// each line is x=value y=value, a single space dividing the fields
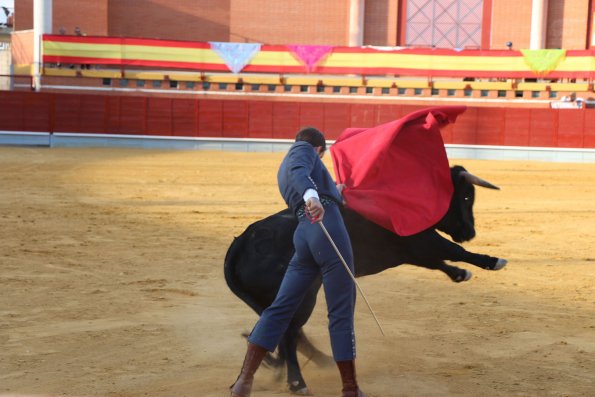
x=435 y=243
x=459 y=254
x=456 y=274
x=485 y=261
x=295 y=381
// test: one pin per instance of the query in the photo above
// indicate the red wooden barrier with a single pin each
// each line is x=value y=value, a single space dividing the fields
x=136 y=115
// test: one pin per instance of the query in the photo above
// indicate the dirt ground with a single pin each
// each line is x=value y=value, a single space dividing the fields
x=112 y=283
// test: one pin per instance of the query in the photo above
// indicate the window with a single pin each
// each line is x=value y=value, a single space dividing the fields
x=444 y=23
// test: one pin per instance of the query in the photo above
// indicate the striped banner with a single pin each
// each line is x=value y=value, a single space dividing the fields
x=199 y=56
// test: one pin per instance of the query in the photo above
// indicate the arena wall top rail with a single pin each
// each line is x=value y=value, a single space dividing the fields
x=303 y=59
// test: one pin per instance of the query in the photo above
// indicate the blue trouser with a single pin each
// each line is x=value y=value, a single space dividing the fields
x=315 y=255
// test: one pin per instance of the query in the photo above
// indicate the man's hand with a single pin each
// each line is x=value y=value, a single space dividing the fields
x=314 y=209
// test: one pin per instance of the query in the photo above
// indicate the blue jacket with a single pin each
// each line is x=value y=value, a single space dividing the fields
x=301 y=170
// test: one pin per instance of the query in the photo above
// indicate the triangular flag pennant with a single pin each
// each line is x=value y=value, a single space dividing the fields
x=311 y=55
x=235 y=55
x=543 y=61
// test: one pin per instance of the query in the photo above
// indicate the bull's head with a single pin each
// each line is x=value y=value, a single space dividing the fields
x=458 y=221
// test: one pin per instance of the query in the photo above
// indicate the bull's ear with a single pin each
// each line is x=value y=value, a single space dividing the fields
x=475 y=180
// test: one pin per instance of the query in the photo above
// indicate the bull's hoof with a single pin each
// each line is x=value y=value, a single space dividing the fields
x=464 y=275
x=299 y=389
x=499 y=264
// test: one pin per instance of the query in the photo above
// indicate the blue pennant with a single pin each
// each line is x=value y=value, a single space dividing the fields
x=235 y=55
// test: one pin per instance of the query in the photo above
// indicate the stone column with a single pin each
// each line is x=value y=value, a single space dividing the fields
x=42 y=23
x=538 y=24
x=356 y=22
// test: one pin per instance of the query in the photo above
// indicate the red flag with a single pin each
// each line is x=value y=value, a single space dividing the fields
x=397 y=174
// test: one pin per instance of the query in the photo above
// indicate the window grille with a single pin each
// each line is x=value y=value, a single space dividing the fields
x=444 y=23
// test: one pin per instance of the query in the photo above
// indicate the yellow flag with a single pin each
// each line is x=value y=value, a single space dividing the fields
x=543 y=61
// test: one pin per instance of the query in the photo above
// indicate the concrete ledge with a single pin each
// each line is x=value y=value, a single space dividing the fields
x=161 y=142
x=21 y=138
x=555 y=155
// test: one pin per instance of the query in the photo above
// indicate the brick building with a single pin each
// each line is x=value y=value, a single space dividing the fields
x=481 y=24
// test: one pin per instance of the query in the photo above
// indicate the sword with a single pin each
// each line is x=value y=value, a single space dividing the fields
x=330 y=239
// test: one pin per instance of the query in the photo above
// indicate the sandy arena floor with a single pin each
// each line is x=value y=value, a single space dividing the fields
x=112 y=284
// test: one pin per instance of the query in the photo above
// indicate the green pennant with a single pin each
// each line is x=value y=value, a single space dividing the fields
x=543 y=61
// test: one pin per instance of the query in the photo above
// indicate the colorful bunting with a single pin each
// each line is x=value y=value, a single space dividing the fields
x=236 y=55
x=369 y=61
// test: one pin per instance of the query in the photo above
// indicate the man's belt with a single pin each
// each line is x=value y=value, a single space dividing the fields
x=324 y=200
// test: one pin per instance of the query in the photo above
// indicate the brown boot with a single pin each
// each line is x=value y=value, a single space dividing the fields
x=350 y=387
x=243 y=385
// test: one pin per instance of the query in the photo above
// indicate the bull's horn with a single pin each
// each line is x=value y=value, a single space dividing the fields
x=474 y=180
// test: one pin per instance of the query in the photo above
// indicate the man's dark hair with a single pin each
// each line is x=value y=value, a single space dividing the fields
x=312 y=136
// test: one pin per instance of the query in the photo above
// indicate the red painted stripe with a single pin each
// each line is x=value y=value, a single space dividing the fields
x=116 y=61
x=274 y=69
x=82 y=39
x=125 y=41
x=430 y=51
x=274 y=48
x=165 y=43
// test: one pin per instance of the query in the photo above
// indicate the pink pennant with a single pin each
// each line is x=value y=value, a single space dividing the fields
x=311 y=55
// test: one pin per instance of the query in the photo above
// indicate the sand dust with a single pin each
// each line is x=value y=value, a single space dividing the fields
x=112 y=284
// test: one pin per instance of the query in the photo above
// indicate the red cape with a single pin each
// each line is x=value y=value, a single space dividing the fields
x=397 y=174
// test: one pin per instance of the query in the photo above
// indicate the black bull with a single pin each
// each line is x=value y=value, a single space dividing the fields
x=256 y=260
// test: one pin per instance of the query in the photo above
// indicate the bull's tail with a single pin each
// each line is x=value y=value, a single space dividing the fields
x=229 y=271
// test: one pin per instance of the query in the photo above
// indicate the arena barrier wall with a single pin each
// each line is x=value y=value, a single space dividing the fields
x=236 y=120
